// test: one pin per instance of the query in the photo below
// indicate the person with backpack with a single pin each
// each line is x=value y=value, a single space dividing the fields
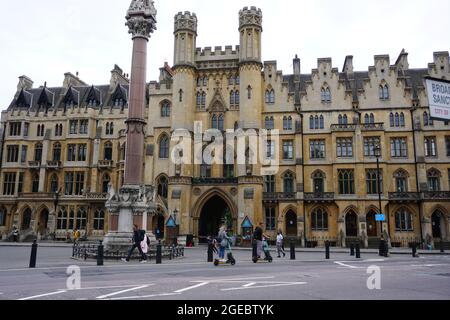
x=138 y=237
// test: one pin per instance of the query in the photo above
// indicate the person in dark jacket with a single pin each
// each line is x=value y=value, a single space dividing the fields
x=138 y=237
x=258 y=237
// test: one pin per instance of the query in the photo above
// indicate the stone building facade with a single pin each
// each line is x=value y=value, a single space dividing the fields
x=329 y=122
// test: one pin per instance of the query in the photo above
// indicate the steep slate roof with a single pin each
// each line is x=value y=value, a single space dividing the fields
x=57 y=96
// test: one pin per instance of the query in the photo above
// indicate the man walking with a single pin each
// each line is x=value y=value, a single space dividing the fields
x=138 y=237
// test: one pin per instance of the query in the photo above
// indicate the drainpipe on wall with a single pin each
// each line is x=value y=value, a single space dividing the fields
x=303 y=177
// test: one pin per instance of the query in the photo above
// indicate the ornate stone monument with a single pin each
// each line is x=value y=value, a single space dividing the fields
x=134 y=201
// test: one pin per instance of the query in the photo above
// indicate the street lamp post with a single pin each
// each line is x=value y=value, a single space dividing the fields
x=377 y=152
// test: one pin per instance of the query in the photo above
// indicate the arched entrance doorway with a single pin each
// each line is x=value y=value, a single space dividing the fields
x=438 y=225
x=372 y=230
x=26 y=219
x=43 y=222
x=351 y=224
x=291 y=224
x=214 y=213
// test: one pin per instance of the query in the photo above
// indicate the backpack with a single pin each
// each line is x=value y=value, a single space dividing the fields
x=141 y=235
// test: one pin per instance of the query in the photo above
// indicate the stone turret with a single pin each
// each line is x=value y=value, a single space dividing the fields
x=185 y=32
x=250 y=28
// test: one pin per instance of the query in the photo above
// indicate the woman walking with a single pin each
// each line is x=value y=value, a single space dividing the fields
x=280 y=246
x=223 y=238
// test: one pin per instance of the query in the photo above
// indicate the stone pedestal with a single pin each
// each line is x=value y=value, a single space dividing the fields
x=130 y=201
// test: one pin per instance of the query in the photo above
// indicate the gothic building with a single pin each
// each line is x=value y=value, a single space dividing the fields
x=333 y=127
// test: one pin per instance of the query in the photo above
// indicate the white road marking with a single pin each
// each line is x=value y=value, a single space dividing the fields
x=346 y=265
x=122 y=291
x=231 y=280
x=249 y=284
x=44 y=295
x=373 y=260
x=191 y=287
x=428 y=265
x=265 y=286
x=148 y=296
x=111 y=287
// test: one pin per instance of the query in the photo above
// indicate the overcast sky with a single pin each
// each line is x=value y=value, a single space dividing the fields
x=46 y=38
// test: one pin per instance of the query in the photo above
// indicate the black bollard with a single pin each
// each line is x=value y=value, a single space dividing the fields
x=158 y=253
x=442 y=246
x=358 y=251
x=352 y=249
x=414 y=249
x=327 y=250
x=100 y=254
x=33 y=254
x=292 y=250
x=210 y=252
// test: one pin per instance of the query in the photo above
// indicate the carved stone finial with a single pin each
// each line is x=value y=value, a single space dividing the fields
x=141 y=18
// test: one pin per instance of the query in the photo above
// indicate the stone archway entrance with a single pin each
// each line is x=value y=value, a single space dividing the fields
x=43 y=222
x=351 y=224
x=438 y=225
x=372 y=230
x=291 y=224
x=26 y=219
x=213 y=213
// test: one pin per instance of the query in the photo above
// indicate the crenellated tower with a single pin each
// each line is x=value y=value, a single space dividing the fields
x=185 y=34
x=250 y=66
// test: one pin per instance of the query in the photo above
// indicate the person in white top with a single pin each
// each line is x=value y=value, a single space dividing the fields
x=280 y=244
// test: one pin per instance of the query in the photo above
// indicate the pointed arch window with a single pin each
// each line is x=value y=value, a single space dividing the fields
x=346 y=182
x=383 y=92
x=269 y=123
x=56 y=151
x=287 y=123
x=81 y=218
x=199 y=100
x=38 y=152
x=165 y=109
x=105 y=183
x=391 y=120
x=325 y=95
x=54 y=184
x=35 y=183
x=433 y=178
x=288 y=182
x=99 y=219
x=321 y=122
x=62 y=219
x=164 y=147
x=311 y=123
x=397 y=119
x=402 y=119
x=108 y=151
x=319 y=182
x=427 y=121
x=401 y=181
x=163 y=187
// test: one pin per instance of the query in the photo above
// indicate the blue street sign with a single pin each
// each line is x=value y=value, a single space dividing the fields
x=380 y=217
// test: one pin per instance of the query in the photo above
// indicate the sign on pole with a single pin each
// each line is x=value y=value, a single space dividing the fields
x=380 y=217
x=438 y=91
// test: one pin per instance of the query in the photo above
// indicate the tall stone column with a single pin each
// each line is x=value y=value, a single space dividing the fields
x=134 y=198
